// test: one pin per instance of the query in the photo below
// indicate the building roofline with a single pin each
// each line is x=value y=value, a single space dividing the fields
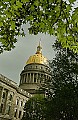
x=14 y=85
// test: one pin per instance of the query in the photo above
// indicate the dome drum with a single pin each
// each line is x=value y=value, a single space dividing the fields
x=37 y=67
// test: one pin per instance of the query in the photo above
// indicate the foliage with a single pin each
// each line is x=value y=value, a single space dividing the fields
x=64 y=70
x=63 y=100
x=65 y=66
x=64 y=105
x=35 y=108
x=55 y=17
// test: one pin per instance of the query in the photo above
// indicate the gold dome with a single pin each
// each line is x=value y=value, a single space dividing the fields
x=37 y=57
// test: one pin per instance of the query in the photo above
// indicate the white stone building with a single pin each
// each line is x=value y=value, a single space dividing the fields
x=12 y=99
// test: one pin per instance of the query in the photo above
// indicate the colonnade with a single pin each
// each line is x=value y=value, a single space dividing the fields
x=33 y=77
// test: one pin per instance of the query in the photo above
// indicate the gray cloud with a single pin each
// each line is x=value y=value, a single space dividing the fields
x=12 y=63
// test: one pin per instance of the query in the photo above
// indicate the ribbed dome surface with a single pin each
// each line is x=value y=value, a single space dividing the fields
x=37 y=57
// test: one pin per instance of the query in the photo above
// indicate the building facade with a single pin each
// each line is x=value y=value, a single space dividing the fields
x=12 y=99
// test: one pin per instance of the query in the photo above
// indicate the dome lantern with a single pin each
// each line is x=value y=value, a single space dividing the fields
x=37 y=57
x=39 y=48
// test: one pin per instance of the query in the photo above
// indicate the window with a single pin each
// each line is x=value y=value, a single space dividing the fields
x=21 y=103
x=35 y=80
x=3 y=95
x=1 y=108
x=15 y=113
x=20 y=114
x=10 y=97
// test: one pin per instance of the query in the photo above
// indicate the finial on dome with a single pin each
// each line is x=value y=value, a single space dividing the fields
x=39 y=48
x=40 y=42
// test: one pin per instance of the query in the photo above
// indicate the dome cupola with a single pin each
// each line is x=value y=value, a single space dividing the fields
x=38 y=57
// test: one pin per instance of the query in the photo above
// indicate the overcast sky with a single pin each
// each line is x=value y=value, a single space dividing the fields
x=12 y=63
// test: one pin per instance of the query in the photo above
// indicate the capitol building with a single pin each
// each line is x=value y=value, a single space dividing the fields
x=12 y=96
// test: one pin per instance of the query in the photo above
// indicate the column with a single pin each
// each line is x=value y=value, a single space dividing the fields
x=33 y=77
x=30 y=78
x=7 y=101
x=37 y=78
x=23 y=78
x=2 y=89
x=27 y=78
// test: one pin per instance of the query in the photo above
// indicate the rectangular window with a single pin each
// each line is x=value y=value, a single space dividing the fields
x=3 y=95
x=15 y=113
x=1 y=108
x=20 y=114
x=35 y=80
x=10 y=97
x=21 y=103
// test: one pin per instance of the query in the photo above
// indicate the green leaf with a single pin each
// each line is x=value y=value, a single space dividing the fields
x=12 y=1
x=19 y=4
x=32 y=7
x=1 y=24
x=12 y=25
x=6 y=0
x=36 y=3
x=15 y=7
x=8 y=14
x=71 y=1
x=30 y=17
x=68 y=8
x=75 y=14
x=24 y=1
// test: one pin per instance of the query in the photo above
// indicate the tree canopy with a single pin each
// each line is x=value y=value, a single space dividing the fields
x=35 y=108
x=55 y=17
x=61 y=98
x=64 y=69
x=62 y=90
